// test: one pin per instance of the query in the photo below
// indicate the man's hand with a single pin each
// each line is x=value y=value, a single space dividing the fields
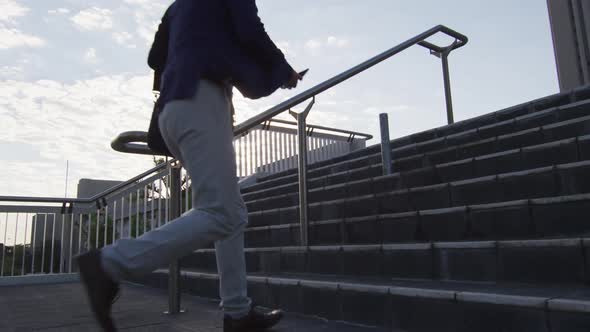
x=293 y=80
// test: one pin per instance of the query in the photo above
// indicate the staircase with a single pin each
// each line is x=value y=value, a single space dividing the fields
x=483 y=226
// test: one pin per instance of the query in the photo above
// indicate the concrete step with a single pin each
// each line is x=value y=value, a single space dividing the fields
x=410 y=305
x=557 y=261
x=416 y=157
x=562 y=151
x=377 y=196
x=488 y=123
x=560 y=216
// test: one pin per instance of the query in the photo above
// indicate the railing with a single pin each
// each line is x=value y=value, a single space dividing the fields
x=272 y=147
x=43 y=236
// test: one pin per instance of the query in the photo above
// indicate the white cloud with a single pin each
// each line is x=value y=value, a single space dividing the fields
x=10 y=9
x=337 y=42
x=124 y=38
x=373 y=110
x=90 y=56
x=11 y=72
x=286 y=48
x=58 y=11
x=138 y=2
x=94 y=19
x=316 y=46
x=12 y=37
x=148 y=14
x=72 y=121
x=313 y=44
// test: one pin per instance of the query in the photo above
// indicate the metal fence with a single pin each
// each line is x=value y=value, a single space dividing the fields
x=272 y=146
x=44 y=237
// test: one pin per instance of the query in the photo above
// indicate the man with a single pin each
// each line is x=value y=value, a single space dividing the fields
x=203 y=47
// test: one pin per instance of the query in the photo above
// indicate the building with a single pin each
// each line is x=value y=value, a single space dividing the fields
x=570 y=26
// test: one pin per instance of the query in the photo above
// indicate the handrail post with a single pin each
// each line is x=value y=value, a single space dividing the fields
x=385 y=144
x=302 y=163
x=447 y=83
x=443 y=54
x=174 y=267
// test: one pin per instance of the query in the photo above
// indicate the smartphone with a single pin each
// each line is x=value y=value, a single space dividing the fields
x=303 y=73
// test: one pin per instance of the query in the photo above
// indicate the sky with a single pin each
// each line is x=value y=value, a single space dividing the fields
x=73 y=74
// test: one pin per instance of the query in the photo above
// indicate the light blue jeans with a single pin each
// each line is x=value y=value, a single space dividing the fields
x=198 y=131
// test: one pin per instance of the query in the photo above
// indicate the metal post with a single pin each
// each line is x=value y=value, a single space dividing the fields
x=447 y=82
x=174 y=268
x=385 y=144
x=302 y=163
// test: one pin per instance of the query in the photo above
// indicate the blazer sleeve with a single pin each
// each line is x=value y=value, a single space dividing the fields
x=252 y=35
x=159 y=52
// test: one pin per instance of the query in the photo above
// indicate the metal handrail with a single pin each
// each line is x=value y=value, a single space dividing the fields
x=340 y=131
x=125 y=141
x=461 y=40
x=91 y=200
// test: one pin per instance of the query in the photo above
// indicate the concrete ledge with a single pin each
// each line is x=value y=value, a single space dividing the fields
x=212 y=250
x=283 y=281
x=260 y=249
x=397 y=215
x=475 y=180
x=455 y=163
x=536 y=114
x=443 y=211
x=489 y=206
x=190 y=274
x=569 y=305
x=357 y=248
x=573 y=165
x=364 y=288
x=407 y=246
x=39 y=279
x=325 y=248
x=501 y=299
x=465 y=245
x=325 y=222
x=360 y=219
x=552 y=144
x=257 y=279
x=294 y=249
x=565 y=123
x=325 y=285
x=519 y=133
x=561 y=199
x=271 y=227
x=422 y=293
x=540 y=243
x=527 y=172
x=497 y=154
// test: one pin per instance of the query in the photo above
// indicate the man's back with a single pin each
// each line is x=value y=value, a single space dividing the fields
x=221 y=40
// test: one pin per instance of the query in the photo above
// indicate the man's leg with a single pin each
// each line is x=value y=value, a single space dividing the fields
x=231 y=266
x=199 y=132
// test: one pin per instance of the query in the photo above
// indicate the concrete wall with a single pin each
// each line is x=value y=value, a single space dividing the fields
x=570 y=25
x=89 y=187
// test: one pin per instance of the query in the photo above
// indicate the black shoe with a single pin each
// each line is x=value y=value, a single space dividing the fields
x=254 y=321
x=101 y=290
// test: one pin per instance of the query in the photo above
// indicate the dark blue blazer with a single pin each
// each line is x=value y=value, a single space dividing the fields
x=219 y=40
